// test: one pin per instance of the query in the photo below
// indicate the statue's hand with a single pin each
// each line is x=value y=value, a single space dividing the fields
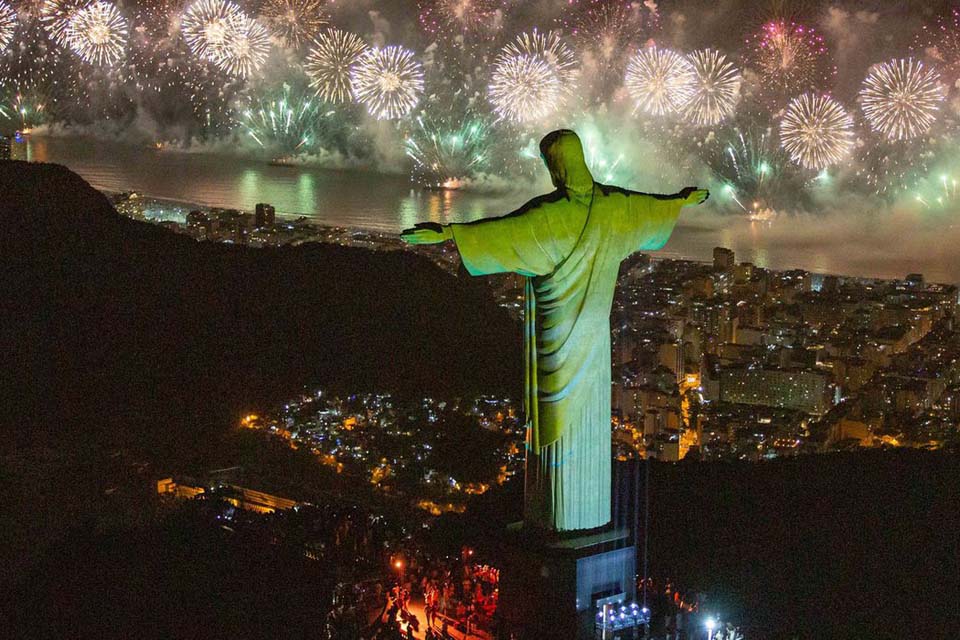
x=427 y=233
x=694 y=195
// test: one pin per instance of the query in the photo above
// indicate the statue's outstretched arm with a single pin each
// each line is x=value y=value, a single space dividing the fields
x=651 y=218
x=434 y=233
x=427 y=233
x=519 y=242
x=690 y=195
x=693 y=195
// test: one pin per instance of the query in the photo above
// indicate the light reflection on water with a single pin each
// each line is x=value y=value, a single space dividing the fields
x=348 y=198
x=841 y=242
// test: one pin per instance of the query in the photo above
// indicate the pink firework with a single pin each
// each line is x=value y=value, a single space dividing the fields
x=789 y=58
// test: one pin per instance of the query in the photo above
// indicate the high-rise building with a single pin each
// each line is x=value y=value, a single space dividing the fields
x=718 y=320
x=723 y=259
x=265 y=215
x=5 y=146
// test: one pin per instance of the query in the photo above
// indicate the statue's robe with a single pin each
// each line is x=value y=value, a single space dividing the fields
x=569 y=244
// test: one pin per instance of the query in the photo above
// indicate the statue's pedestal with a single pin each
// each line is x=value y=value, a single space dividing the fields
x=552 y=587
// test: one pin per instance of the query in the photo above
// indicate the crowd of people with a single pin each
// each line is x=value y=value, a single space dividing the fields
x=458 y=598
x=466 y=594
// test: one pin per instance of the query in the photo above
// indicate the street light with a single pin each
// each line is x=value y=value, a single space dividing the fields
x=398 y=564
x=711 y=625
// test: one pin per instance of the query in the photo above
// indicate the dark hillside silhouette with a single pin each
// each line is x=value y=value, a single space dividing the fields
x=123 y=331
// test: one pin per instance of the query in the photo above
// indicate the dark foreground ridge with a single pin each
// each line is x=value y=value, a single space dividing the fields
x=114 y=326
x=117 y=334
x=848 y=545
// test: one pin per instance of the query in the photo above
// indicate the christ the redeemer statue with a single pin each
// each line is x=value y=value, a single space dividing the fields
x=569 y=245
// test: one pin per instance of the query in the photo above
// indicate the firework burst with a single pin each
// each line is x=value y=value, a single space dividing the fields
x=938 y=192
x=40 y=72
x=26 y=109
x=716 y=88
x=55 y=16
x=940 y=42
x=157 y=23
x=449 y=18
x=287 y=122
x=295 y=21
x=387 y=81
x=901 y=98
x=524 y=88
x=816 y=131
x=660 y=81
x=790 y=58
x=98 y=34
x=246 y=47
x=329 y=61
x=184 y=94
x=207 y=26
x=533 y=77
x=604 y=29
x=550 y=48
x=751 y=169
x=891 y=168
x=606 y=164
x=158 y=55
x=212 y=98
x=447 y=153
x=8 y=24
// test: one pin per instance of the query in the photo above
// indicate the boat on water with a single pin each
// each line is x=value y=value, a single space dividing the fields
x=284 y=161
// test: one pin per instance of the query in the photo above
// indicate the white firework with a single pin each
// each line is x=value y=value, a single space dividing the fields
x=246 y=47
x=716 y=88
x=660 y=81
x=295 y=21
x=901 y=98
x=533 y=76
x=388 y=81
x=8 y=23
x=816 y=131
x=524 y=88
x=328 y=64
x=98 y=34
x=551 y=49
x=207 y=25
x=55 y=17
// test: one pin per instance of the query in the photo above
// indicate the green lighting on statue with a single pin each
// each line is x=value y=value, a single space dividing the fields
x=567 y=389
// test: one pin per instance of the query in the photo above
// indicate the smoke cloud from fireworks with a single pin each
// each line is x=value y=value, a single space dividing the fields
x=777 y=111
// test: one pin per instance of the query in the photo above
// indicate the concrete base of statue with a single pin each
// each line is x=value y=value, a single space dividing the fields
x=551 y=586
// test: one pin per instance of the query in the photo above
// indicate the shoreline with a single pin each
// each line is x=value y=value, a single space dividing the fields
x=384 y=241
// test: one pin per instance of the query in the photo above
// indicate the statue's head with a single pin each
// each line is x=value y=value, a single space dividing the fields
x=562 y=152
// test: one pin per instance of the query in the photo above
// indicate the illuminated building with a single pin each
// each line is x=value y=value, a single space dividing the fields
x=242 y=497
x=807 y=391
x=723 y=259
x=264 y=216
